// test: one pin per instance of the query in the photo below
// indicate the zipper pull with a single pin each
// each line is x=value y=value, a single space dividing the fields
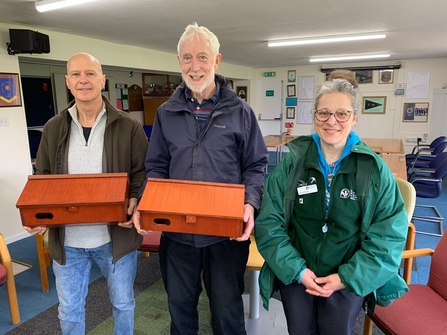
x=324 y=229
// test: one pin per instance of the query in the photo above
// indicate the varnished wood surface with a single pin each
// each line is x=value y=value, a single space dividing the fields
x=275 y=141
x=74 y=199
x=385 y=145
x=192 y=207
x=397 y=165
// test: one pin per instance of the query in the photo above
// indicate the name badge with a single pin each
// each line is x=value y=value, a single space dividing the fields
x=307 y=189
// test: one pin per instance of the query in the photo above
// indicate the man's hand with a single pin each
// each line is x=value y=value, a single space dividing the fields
x=35 y=230
x=137 y=224
x=249 y=219
x=130 y=211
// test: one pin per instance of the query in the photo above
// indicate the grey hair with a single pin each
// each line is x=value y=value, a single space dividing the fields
x=340 y=86
x=193 y=30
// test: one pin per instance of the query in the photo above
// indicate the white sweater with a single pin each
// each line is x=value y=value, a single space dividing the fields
x=86 y=158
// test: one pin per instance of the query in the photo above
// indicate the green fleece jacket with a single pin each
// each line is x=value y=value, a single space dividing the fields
x=125 y=146
x=360 y=237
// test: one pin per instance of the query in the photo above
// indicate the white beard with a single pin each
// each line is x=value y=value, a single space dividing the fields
x=198 y=88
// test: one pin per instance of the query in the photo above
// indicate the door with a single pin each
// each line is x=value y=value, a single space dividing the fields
x=38 y=100
x=269 y=106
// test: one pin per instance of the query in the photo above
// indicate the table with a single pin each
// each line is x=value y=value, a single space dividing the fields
x=385 y=145
x=277 y=142
x=397 y=165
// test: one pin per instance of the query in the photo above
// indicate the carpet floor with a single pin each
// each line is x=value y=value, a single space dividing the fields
x=151 y=313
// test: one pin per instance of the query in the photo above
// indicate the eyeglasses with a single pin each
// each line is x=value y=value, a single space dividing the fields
x=341 y=115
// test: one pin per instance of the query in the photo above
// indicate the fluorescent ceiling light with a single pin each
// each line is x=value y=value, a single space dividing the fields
x=47 y=5
x=354 y=57
x=318 y=40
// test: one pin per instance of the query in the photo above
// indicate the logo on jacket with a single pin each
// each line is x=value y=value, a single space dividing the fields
x=219 y=126
x=348 y=194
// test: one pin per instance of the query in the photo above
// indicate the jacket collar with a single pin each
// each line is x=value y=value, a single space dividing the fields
x=112 y=112
x=227 y=98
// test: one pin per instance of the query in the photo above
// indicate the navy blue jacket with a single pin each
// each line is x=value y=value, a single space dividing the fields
x=230 y=149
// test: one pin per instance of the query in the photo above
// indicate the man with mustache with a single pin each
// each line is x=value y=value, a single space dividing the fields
x=205 y=132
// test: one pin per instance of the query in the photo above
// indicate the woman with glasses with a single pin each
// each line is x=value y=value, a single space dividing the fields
x=332 y=225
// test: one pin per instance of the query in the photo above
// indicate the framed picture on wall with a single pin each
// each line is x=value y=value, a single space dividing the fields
x=386 y=76
x=290 y=113
x=291 y=76
x=241 y=92
x=415 y=112
x=10 y=90
x=364 y=77
x=291 y=91
x=374 y=105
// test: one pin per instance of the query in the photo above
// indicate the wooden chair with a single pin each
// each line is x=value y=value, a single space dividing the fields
x=7 y=275
x=151 y=243
x=254 y=265
x=43 y=255
x=423 y=310
x=409 y=195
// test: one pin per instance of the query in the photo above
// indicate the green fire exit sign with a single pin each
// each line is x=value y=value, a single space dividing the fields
x=269 y=93
x=269 y=74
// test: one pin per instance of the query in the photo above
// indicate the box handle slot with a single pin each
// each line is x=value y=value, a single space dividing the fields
x=162 y=221
x=44 y=216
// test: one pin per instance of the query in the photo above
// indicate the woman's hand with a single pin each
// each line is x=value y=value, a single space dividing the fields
x=314 y=284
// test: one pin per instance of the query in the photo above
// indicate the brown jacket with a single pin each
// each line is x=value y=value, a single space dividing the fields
x=125 y=146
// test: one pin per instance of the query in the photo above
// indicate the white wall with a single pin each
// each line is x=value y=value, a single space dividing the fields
x=15 y=164
x=388 y=125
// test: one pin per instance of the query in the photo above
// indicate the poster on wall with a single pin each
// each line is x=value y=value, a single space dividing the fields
x=122 y=97
x=10 y=90
x=415 y=112
x=306 y=87
x=374 y=105
x=305 y=115
x=417 y=84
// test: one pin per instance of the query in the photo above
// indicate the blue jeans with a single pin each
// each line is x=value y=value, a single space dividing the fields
x=72 y=281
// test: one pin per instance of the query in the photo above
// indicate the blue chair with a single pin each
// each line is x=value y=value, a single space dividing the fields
x=424 y=156
x=424 y=148
x=428 y=184
x=426 y=167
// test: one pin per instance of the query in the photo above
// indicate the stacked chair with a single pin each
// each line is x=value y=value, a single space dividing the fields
x=424 y=156
x=428 y=184
x=426 y=168
x=425 y=150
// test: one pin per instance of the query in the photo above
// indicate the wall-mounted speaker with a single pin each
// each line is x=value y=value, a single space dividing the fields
x=28 y=42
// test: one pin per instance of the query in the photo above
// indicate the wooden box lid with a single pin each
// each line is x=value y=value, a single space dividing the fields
x=74 y=198
x=193 y=207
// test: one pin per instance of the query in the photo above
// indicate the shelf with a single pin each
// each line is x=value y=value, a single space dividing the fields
x=159 y=85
